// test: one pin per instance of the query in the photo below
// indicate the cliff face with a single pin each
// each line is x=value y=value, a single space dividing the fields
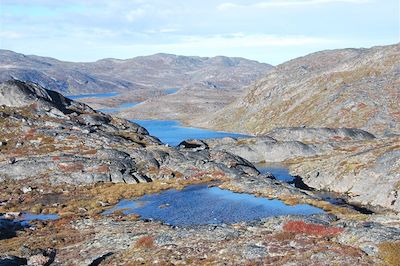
x=356 y=88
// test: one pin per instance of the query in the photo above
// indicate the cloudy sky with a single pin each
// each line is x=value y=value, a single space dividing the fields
x=271 y=31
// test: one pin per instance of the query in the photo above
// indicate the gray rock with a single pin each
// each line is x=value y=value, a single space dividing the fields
x=264 y=149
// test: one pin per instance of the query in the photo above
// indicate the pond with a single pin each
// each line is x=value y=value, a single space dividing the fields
x=172 y=133
x=279 y=171
x=200 y=205
x=25 y=218
x=171 y=90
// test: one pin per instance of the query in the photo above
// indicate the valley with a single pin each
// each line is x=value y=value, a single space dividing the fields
x=80 y=183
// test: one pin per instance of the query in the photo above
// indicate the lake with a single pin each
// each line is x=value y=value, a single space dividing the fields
x=172 y=133
x=168 y=131
x=200 y=204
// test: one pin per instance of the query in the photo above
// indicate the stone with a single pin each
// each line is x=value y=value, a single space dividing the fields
x=26 y=189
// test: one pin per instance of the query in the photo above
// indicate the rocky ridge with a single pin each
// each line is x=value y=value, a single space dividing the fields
x=159 y=71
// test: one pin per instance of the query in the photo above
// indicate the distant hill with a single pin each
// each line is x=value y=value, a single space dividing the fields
x=357 y=88
x=159 y=71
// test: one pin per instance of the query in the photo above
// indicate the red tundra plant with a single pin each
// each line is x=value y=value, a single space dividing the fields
x=311 y=229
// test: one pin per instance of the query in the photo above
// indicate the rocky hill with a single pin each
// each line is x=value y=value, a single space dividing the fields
x=48 y=138
x=159 y=71
x=355 y=88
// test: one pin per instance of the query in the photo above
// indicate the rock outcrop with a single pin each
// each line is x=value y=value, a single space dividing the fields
x=264 y=149
x=355 y=88
x=46 y=137
x=368 y=172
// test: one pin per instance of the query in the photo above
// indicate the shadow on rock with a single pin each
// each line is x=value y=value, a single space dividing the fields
x=8 y=229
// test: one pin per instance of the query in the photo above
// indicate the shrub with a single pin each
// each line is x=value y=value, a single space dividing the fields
x=145 y=242
x=311 y=229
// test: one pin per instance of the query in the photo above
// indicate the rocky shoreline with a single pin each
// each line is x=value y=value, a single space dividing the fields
x=349 y=161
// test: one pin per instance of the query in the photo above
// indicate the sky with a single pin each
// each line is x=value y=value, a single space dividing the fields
x=270 y=31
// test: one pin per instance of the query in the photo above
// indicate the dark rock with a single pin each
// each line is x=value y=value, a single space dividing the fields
x=194 y=144
x=12 y=261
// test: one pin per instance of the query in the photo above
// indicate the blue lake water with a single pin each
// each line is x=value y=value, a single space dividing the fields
x=168 y=131
x=171 y=90
x=171 y=132
x=280 y=172
x=26 y=218
x=94 y=95
x=200 y=204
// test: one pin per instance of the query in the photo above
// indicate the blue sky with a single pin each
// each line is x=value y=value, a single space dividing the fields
x=269 y=31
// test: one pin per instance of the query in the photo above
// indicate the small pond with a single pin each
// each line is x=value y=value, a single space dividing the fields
x=280 y=172
x=25 y=218
x=200 y=204
x=93 y=95
x=171 y=90
x=172 y=133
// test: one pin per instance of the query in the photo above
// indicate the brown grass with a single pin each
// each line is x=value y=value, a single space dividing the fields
x=389 y=252
x=293 y=200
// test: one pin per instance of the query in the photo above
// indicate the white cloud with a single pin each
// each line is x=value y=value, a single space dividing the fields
x=10 y=35
x=237 y=41
x=286 y=3
x=135 y=14
x=254 y=40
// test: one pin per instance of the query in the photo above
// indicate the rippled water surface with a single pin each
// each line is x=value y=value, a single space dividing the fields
x=200 y=204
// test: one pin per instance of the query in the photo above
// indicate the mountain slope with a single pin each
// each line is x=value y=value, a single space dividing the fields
x=358 y=88
x=159 y=71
